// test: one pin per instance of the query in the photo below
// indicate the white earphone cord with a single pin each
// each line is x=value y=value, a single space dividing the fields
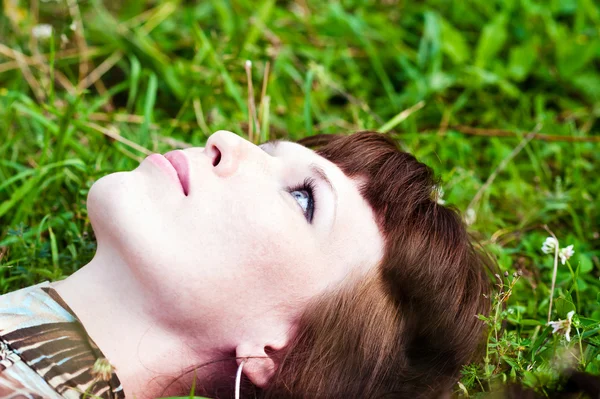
x=238 y=379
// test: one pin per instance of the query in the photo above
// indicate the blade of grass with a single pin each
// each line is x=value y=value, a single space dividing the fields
x=308 y=123
x=230 y=86
x=149 y=102
x=396 y=120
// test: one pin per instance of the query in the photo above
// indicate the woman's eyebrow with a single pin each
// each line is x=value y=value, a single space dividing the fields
x=272 y=144
x=315 y=169
x=321 y=175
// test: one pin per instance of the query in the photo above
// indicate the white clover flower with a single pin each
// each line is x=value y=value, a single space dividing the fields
x=549 y=245
x=563 y=326
x=470 y=216
x=42 y=31
x=439 y=195
x=566 y=253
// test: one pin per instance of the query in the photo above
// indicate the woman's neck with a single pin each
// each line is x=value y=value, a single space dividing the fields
x=110 y=303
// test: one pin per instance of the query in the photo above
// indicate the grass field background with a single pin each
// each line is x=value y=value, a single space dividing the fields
x=501 y=98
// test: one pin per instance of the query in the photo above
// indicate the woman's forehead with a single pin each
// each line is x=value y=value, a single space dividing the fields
x=356 y=237
x=296 y=152
x=283 y=145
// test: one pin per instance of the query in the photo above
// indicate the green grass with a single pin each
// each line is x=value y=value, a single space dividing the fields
x=475 y=76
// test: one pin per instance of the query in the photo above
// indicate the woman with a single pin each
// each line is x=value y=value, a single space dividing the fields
x=328 y=274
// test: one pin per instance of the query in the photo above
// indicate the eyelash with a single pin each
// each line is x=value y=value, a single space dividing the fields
x=308 y=185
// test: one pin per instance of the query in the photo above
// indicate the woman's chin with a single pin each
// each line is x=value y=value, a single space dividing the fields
x=119 y=207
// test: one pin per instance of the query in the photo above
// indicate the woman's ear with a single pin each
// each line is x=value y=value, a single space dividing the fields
x=259 y=367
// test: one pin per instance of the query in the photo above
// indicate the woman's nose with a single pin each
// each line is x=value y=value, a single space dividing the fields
x=227 y=150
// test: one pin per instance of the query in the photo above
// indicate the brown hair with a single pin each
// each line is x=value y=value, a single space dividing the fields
x=406 y=330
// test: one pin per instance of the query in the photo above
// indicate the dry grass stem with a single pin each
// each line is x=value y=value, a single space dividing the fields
x=3 y=251
x=60 y=78
x=265 y=83
x=158 y=15
x=137 y=119
x=79 y=37
x=24 y=62
x=252 y=116
x=199 y=114
x=113 y=133
x=173 y=142
x=104 y=67
x=501 y=167
x=33 y=83
x=84 y=62
x=42 y=59
x=507 y=133
x=402 y=116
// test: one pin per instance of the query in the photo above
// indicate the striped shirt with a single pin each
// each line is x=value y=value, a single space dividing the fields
x=45 y=352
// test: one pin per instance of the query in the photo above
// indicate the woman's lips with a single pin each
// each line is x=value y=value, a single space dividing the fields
x=162 y=162
x=169 y=167
x=179 y=161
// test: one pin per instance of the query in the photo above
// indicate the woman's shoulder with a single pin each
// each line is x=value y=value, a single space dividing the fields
x=31 y=306
x=42 y=336
x=18 y=378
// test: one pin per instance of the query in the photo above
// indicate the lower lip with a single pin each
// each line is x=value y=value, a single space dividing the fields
x=165 y=165
x=178 y=159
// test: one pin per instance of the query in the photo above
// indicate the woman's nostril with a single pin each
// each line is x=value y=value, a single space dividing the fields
x=216 y=157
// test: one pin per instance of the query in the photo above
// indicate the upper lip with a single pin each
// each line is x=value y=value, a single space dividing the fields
x=180 y=163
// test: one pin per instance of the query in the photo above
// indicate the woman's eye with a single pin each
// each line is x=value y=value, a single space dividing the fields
x=303 y=198
x=304 y=195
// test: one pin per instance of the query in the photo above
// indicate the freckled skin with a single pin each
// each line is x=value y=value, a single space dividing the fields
x=238 y=247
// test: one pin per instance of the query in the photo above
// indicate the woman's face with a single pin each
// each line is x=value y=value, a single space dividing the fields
x=248 y=240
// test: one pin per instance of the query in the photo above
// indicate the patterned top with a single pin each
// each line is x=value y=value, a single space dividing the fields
x=45 y=352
